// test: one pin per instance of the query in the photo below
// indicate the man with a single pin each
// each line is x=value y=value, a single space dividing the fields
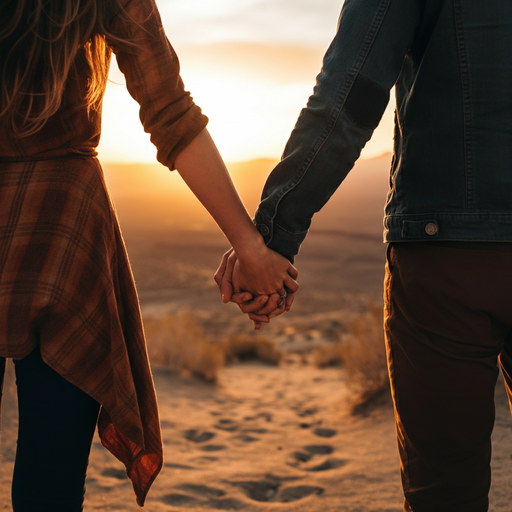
x=448 y=218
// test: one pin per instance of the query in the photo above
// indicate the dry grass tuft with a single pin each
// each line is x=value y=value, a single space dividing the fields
x=329 y=355
x=177 y=342
x=246 y=347
x=364 y=355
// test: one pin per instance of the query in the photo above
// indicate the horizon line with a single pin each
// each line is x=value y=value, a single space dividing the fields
x=227 y=162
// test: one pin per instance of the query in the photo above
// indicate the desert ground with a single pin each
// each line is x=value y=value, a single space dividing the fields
x=263 y=437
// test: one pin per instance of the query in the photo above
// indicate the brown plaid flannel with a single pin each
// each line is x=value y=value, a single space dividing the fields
x=65 y=279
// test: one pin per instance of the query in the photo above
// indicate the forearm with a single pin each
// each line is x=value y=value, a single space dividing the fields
x=202 y=168
x=351 y=93
x=262 y=271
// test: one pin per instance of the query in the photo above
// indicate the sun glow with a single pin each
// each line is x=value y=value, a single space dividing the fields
x=250 y=117
x=251 y=89
x=246 y=121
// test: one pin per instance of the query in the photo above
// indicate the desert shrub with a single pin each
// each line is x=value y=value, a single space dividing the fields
x=363 y=355
x=177 y=342
x=241 y=347
x=329 y=355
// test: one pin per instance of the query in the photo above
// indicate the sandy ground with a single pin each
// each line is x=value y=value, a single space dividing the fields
x=264 y=438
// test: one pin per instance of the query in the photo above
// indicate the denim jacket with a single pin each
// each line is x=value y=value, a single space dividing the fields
x=451 y=173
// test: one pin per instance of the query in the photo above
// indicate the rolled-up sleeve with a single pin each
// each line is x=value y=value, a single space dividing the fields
x=351 y=93
x=152 y=74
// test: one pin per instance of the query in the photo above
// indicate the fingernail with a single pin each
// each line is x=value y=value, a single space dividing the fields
x=264 y=300
x=222 y=295
x=246 y=297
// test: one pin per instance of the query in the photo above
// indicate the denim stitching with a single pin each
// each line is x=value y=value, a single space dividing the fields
x=466 y=100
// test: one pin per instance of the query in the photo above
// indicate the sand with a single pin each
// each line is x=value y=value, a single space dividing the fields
x=264 y=438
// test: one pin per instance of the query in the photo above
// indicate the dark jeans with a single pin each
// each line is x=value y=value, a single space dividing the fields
x=56 y=426
x=448 y=324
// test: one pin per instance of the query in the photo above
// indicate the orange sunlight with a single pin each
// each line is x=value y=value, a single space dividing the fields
x=251 y=92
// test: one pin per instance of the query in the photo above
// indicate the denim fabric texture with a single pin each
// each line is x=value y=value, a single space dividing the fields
x=451 y=173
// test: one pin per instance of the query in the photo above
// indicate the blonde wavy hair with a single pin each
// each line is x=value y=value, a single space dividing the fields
x=39 y=40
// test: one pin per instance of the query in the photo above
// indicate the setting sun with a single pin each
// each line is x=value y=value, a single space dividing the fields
x=251 y=79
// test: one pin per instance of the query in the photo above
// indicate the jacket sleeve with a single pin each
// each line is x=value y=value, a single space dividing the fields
x=351 y=93
x=152 y=73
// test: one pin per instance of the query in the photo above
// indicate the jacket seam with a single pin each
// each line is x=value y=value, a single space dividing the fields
x=466 y=105
x=465 y=214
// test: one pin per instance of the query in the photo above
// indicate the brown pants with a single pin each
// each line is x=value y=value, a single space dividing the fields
x=448 y=322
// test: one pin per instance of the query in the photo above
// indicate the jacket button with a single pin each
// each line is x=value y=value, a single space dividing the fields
x=431 y=228
x=263 y=229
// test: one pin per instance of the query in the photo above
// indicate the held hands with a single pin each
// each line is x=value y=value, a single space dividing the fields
x=263 y=285
x=261 y=272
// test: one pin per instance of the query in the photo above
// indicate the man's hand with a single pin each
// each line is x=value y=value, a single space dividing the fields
x=261 y=308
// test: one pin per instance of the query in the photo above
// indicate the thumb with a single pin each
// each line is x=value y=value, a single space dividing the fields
x=226 y=290
x=226 y=284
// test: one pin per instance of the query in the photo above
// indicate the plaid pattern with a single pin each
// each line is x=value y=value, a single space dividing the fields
x=65 y=280
x=65 y=283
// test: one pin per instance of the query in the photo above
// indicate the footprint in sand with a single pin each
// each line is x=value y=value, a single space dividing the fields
x=205 y=496
x=319 y=449
x=202 y=490
x=197 y=436
x=329 y=464
x=256 y=430
x=120 y=474
x=204 y=460
x=226 y=424
x=269 y=490
x=299 y=492
x=213 y=447
x=301 y=456
x=245 y=438
x=264 y=490
x=180 y=500
x=177 y=466
x=267 y=416
x=309 y=425
x=310 y=451
x=307 y=412
x=325 y=432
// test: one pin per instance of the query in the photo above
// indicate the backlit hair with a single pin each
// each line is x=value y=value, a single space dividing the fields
x=39 y=40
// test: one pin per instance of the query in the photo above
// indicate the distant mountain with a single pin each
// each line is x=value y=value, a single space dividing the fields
x=150 y=196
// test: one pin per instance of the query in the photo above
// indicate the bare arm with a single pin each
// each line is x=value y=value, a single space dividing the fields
x=262 y=271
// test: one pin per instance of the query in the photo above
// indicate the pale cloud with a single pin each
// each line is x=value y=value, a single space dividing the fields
x=306 y=22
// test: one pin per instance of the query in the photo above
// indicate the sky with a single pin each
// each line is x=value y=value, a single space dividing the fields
x=250 y=65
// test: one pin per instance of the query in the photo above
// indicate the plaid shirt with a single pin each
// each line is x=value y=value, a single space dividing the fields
x=65 y=279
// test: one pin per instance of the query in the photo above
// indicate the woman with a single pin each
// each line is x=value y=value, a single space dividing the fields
x=69 y=313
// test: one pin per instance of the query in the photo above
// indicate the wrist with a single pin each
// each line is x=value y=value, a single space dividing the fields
x=250 y=246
